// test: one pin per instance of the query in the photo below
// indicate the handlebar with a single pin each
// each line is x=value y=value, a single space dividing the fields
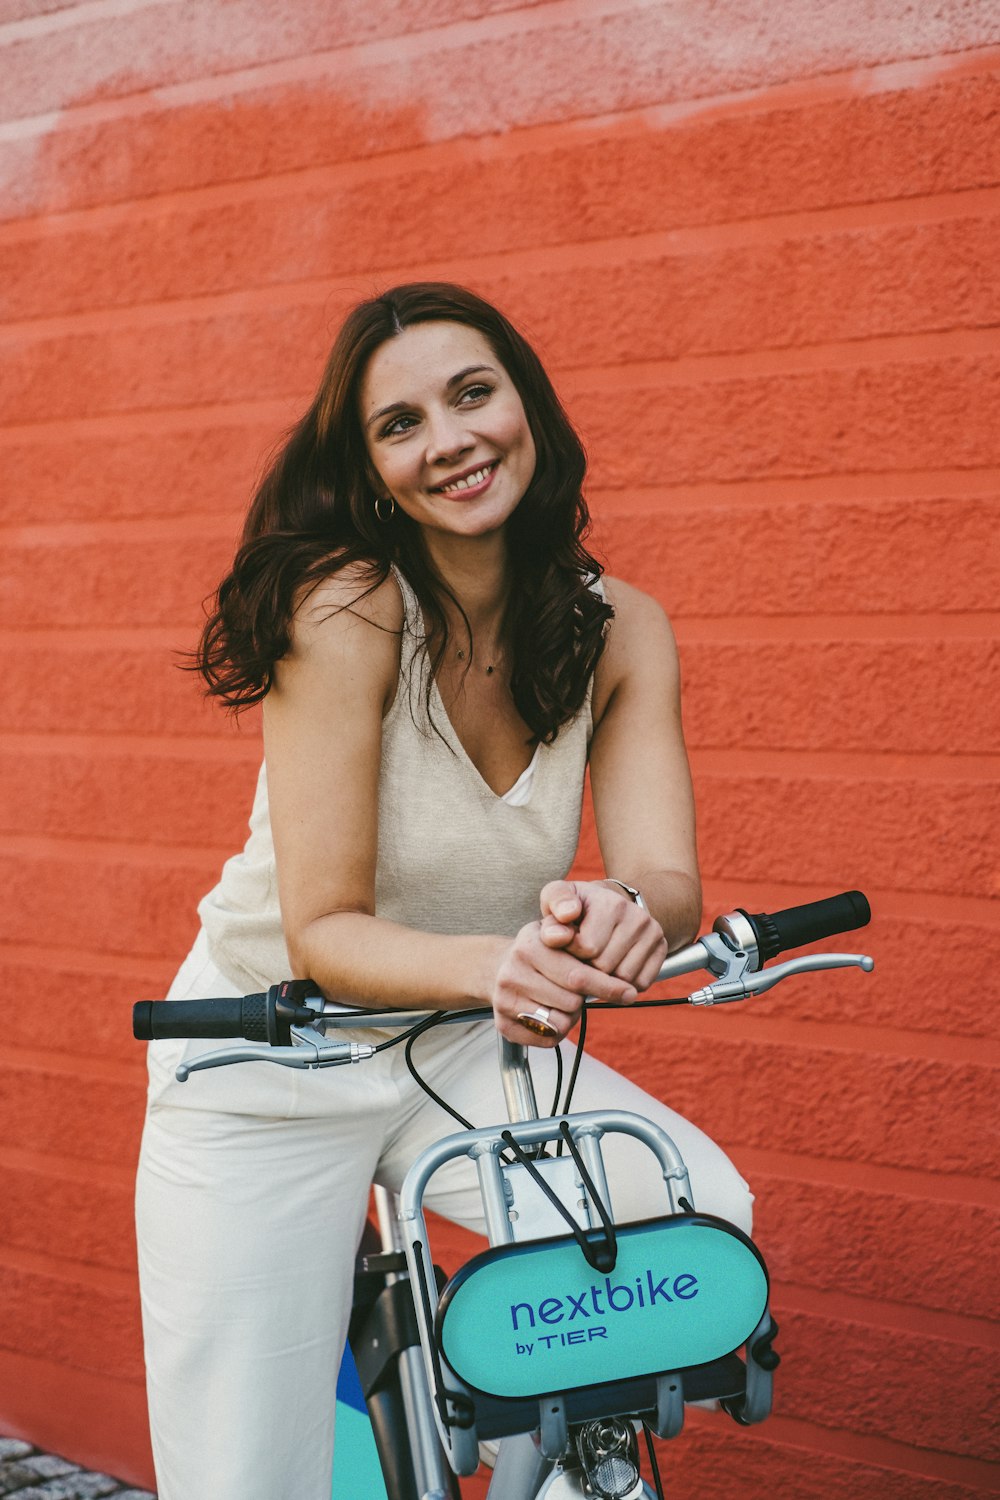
x=293 y=1014
x=815 y=920
x=265 y=1017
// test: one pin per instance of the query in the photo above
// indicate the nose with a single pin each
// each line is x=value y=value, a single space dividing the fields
x=448 y=437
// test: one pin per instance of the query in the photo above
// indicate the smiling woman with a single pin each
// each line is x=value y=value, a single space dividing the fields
x=425 y=387
x=440 y=662
x=456 y=452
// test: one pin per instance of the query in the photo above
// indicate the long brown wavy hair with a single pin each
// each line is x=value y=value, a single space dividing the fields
x=314 y=513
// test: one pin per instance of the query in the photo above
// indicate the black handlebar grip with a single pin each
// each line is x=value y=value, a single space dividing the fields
x=799 y=925
x=238 y=1015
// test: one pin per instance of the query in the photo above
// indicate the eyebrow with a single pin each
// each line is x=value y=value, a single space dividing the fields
x=456 y=379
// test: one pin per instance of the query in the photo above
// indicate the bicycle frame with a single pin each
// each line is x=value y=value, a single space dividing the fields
x=517 y=1213
x=449 y=1403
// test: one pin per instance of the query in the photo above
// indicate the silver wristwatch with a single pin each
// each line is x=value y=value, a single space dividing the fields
x=629 y=890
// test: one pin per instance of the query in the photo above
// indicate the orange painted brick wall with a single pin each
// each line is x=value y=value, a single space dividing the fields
x=757 y=245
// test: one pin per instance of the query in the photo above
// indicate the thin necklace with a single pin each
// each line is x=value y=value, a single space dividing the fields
x=489 y=670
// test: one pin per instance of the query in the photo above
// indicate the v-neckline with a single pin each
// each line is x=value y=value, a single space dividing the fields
x=456 y=742
x=412 y=604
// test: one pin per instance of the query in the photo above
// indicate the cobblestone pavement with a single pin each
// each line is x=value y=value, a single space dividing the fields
x=28 y=1474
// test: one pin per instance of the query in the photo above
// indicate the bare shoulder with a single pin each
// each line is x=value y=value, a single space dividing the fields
x=349 y=595
x=636 y=614
x=348 y=627
x=640 y=645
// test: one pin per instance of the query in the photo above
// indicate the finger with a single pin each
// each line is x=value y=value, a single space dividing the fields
x=556 y=934
x=561 y=1019
x=607 y=935
x=640 y=962
x=561 y=899
x=529 y=990
x=583 y=979
x=610 y=925
x=649 y=970
x=538 y=973
x=611 y=956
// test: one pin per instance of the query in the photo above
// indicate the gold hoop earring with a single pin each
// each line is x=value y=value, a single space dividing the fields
x=380 y=500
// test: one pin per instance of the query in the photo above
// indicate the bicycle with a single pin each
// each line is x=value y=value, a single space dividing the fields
x=441 y=1364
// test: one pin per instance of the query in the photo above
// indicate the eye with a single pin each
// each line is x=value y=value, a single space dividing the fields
x=398 y=425
x=476 y=393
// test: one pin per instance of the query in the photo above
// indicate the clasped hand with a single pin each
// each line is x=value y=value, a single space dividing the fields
x=591 y=939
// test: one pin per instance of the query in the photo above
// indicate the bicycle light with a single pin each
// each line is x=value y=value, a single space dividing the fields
x=609 y=1455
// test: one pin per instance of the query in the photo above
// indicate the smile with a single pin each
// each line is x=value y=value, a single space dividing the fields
x=468 y=481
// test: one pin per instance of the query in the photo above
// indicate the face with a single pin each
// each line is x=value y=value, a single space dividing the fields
x=445 y=429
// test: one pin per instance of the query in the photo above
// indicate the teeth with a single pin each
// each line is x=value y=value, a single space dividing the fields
x=469 y=482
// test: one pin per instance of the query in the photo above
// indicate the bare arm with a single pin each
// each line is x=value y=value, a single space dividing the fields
x=643 y=804
x=322 y=731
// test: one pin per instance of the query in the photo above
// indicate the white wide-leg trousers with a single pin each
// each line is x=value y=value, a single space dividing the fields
x=252 y=1192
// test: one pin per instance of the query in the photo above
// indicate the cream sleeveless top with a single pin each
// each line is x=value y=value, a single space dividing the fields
x=453 y=856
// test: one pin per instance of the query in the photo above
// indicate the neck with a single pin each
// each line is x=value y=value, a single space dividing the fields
x=476 y=571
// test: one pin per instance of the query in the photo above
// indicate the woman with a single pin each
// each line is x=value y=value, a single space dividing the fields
x=438 y=662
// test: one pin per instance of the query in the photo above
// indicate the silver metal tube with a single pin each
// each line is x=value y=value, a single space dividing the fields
x=387 y=1213
x=588 y=1144
x=520 y=1469
x=499 y=1229
x=518 y=1086
x=429 y=1464
x=532 y=1132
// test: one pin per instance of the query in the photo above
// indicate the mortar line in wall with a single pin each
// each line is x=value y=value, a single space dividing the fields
x=776 y=361
x=16 y=1364
x=67 y=17
x=66 y=1168
x=807 y=631
x=202 y=749
x=608 y=507
x=191 y=858
x=135 y=528
x=784 y=762
x=677 y=242
x=88 y=961
x=790 y=762
x=58 y=954
x=889 y=902
x=123 y=969
x=282 y=412
x=890 y=1454
x=578 y=255
x=631 y=502
x=783 y=1027
x=688 y=372
x=68 y=1269
x=315 y=67
x=73 y=638
x=314 y=64
x=874 y=628
x=99 y=1067
x=919 y=1184
x=876 y=1312
x=273 y=416
x=328 y=179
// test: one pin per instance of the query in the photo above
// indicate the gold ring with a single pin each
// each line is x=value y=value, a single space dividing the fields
x=538 y=1022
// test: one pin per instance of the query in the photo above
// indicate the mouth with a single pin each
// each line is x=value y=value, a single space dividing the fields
x=473 y=480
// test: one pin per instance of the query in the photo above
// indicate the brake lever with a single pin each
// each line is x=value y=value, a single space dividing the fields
x=743 y=985
x=308 y=1052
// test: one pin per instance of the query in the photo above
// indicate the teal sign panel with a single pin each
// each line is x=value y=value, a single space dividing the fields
x=524 y=1320
x=356 y=1467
